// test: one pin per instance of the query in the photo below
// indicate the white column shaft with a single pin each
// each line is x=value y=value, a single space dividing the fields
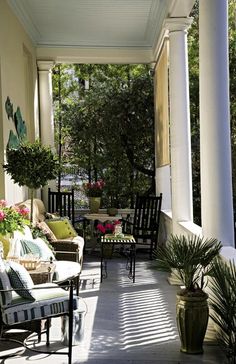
x=181 y=172
x=163 y=186
x=216 y=174
x=46 y=103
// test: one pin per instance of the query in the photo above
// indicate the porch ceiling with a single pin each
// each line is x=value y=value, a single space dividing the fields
x=68 y=28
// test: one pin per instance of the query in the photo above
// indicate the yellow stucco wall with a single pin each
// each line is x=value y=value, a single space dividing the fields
x=18 y=81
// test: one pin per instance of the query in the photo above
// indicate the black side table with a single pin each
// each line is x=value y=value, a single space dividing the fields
x=111 y=240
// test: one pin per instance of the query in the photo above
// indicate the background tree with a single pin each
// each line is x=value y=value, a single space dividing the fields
x=108 y=127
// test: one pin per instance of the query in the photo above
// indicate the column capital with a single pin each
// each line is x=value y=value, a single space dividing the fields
x=45 y=65
x=177 y=24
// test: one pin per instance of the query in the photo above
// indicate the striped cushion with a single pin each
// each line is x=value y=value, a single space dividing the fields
x=38 y=247
x=29 y=247
x=20 y=278
x=48 y=302
x=5 y=297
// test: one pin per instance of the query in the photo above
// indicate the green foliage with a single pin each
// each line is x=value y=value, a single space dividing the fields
x=223 y=304
x=31 y=165
x=188 y=258
x=108 y=129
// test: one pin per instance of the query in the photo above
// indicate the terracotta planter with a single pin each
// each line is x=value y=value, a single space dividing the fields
x=94 y=204
x=192 y=317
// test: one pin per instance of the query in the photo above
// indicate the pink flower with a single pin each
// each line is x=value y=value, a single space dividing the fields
x=109 y=227
x=3 y=203
x=94 y=189
x=24 y=211
x=117 y=222
x=2 y=215
x=101 y=228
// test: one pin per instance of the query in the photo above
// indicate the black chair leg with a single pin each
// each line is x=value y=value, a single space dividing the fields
x=48 y=323
x=77 y=284
x=70 y=324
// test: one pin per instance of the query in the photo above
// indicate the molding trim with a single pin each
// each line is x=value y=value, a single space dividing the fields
x=45 y=65
x=177 y=24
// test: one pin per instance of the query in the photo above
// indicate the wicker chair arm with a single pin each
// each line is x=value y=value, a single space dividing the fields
x=65 y=245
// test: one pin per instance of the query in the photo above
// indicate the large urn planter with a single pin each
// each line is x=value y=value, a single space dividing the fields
x=94 y=204
x=189 y=258
x=192 y=318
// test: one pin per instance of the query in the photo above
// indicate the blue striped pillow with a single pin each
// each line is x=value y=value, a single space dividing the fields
x=29 y=247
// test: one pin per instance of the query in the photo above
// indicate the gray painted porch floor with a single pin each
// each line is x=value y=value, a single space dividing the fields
x=126 y=323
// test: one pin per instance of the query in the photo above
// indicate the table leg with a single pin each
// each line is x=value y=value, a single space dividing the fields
x=103 y=265
x=134 y=261
x=132 y=257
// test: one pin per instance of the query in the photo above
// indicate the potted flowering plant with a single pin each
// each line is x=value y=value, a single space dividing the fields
x=108 y=228
x=94 y=191
x=12 y=218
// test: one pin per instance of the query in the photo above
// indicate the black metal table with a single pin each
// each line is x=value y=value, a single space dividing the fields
x=112 y=240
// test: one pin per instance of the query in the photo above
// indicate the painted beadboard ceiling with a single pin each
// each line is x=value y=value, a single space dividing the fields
x=127 y=24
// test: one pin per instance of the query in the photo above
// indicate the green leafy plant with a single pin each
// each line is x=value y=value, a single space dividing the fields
x=12 y=218
x=31 y=165
x=223 y=304
x=189 y=259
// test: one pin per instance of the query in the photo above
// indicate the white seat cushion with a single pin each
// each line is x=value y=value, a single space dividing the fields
x=48 y=302
x=65 y=270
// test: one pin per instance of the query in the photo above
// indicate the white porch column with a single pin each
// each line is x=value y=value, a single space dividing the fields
x=216 y=174
x=45 y=102
x=163 y=185
x=46 y=114
x=181 y=172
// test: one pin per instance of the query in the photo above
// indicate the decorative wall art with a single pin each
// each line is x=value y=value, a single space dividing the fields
x=14 y=139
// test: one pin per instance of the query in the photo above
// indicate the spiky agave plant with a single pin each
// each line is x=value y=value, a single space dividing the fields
x=188 y=257
x=223 y=304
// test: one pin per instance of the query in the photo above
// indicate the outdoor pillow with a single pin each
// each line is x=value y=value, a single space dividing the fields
x=29 y=247
x=20 y=278
x=62 y=228
x=6 y=297
x=37 y=247
x=47 y=231
x=46 y=253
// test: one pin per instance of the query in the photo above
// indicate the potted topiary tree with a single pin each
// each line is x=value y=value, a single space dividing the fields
x=189 y=259
x=31 y=165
